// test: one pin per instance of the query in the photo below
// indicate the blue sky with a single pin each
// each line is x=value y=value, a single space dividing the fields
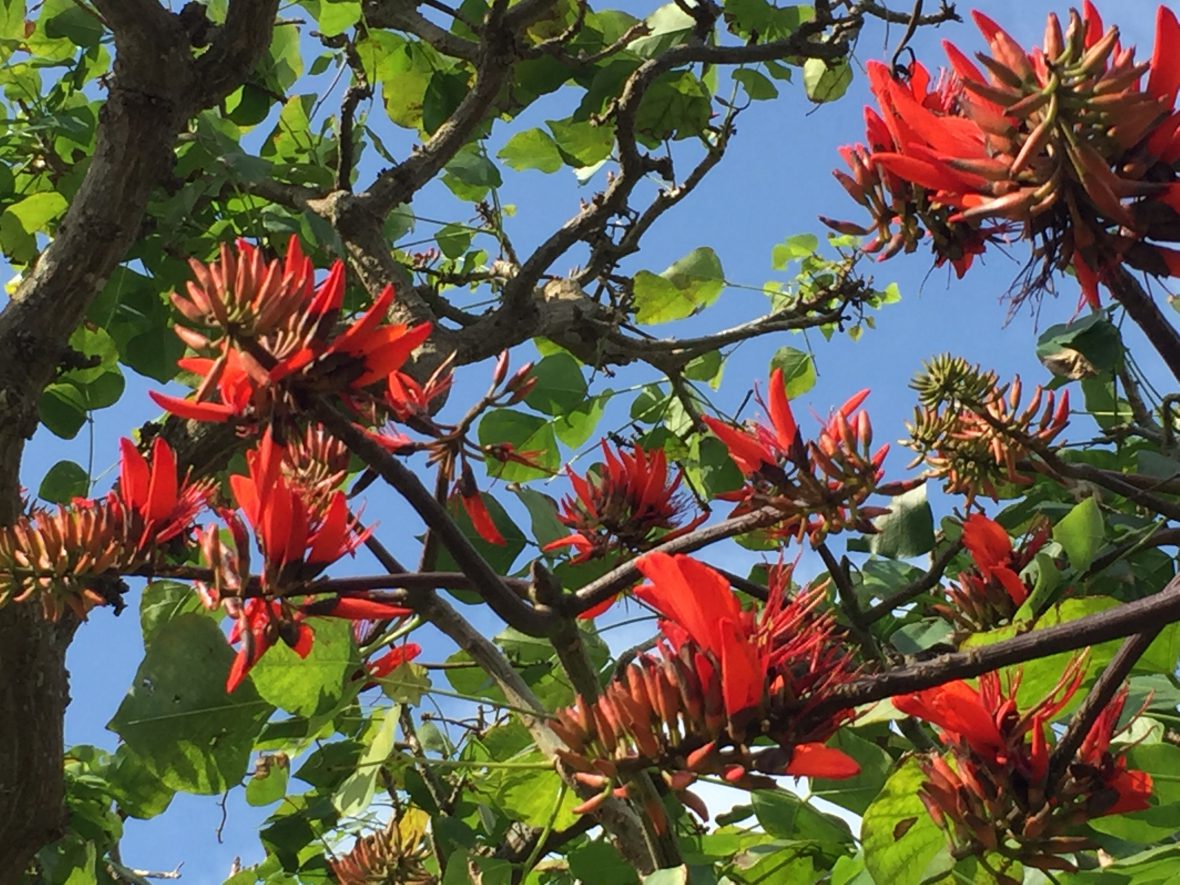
x=774 y=182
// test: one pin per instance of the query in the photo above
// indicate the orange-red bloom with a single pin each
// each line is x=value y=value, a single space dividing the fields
x=269 y=331
x=627 y=505
x=165 y=504
x=991 y=791
x=820 y=486
x=296 y=542
x=1064 y=144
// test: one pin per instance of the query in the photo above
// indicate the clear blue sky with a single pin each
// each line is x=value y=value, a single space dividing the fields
x=772 y=185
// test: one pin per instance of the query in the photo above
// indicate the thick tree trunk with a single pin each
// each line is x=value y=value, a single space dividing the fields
x=157 y=86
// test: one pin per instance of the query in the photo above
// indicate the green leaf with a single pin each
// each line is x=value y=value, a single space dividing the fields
x=577 y=425
x=786 y=816
x=531 y=149
x=794 y=248
x=333 y=17
x=356 y=793
x=600 y=862
x=676 y=105
x=688 y=286
x=584 y=143
x=823 y=83
x=543 y=512
x=900 y=840
x=78 y=25
x=136 y=787
x=528 y=434
x=1082 y=348
x=25 y=218
x=531 y=796
x=62 y=409
x=559 y=385
x=907 y=530
x=314 y=685
x=470 y=174
x=1081 y=532
x=178 y=717
x=164 y=601
x=798 y=370
x=271 y=786
x=63 y=482
x=668 y=876
x=757 y=85
x=668 y=26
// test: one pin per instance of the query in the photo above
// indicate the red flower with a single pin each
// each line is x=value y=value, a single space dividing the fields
x=274 y=332
x=819 y=486
x=165 y=505
x=477 y=511
x=1131 y=789
x=1063 y=143
x=991 y=548
x=630 y=499
x=763 y=446
x=296 y=543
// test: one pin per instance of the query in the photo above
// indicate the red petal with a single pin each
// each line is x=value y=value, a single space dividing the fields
x=163 y=491
x=785 y=428
x=192 y=410
x=816 y=760
x=133 y=475
x=987 y=542
x=393 y=659
x=356 y=608
x=481 y=519
x=595 y=610
x=747 y=452
x=1164 y=79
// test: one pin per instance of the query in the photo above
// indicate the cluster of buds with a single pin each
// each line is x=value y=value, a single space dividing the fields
x=990 y=593
x=269 y=335
x=730 y=692
x=971 y=431
x=315 y=464
x=990 y=791
x=819 y=486
x=396 y=854
x=630 y=503
x=67 y=557
x=1064 y=145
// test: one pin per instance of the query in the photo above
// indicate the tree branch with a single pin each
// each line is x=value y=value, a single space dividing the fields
x=1096 y=701
x=1133 y=617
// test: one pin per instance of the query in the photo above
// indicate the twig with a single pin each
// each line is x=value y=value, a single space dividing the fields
x=1142 y=308
x=913 y=590
x=1096 y=701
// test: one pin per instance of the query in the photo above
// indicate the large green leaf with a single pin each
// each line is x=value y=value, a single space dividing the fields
x=178 y=717
x=689 y=285
x=1081 y=532
x=798 y=370
x=531 y=149
x=907 y=530
x=530 y=436
x=311 y=686
x=559 y=385
x=902 y=845
x=786 y=816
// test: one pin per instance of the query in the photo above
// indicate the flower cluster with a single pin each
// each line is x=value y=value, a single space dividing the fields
x=819 y=486
x=972 y=432
x=1065 y=145
x=990 y=593
x=630 y=504
x=729 y=692
x=269 y=334
x=990 y=790
x=67 y=557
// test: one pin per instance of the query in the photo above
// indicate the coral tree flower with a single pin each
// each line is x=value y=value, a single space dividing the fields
x=1065 y=145
x=297 y=543
x=724 y=677
x=992 y=591
x=820 y=486
x=269 y=328
x=66 y=557
x=990 y=790
x=629 y=504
